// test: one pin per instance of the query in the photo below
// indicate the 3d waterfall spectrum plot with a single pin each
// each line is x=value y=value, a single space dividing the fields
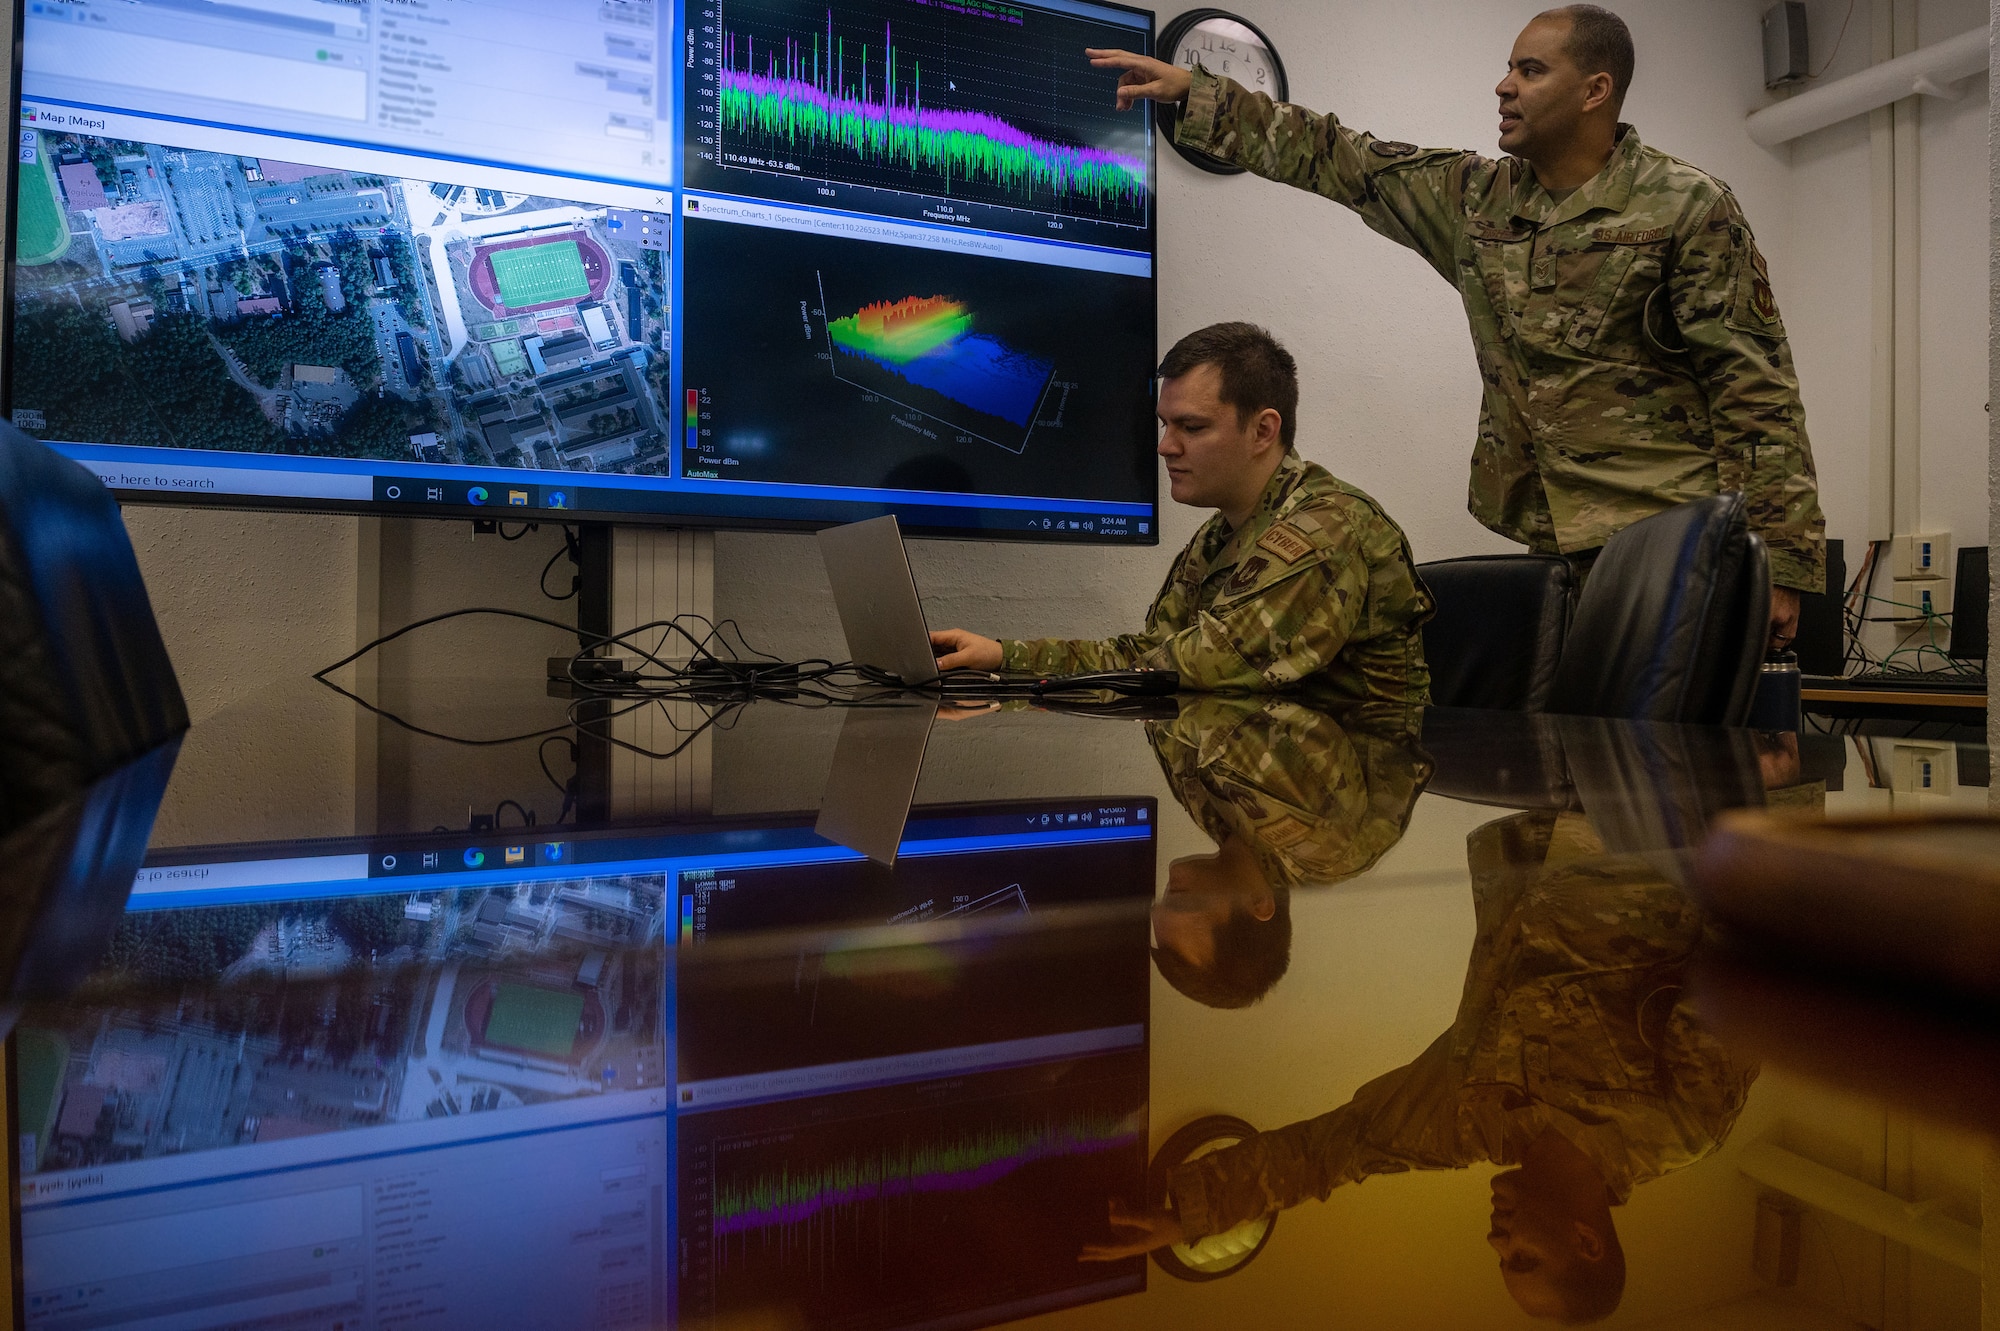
x=929 y=343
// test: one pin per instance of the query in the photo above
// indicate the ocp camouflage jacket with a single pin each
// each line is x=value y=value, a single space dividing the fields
x=1317 y=583
x=1630 y=346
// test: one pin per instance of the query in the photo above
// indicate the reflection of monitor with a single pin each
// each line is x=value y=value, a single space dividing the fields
x=435 y=1078
x=774 y=264
x=874 y=1135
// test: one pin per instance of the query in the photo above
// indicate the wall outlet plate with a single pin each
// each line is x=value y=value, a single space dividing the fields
x=1922 y=555
x=1918 y=600
x=1923 y=769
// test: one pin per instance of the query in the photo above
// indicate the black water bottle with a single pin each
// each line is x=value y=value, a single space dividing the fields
x=1776 y=706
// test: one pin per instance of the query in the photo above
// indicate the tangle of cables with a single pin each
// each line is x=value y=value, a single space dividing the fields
x=1916 y=650
x=687 y=659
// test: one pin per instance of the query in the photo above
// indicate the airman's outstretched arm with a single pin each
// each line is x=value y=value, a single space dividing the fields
x=1413 y=196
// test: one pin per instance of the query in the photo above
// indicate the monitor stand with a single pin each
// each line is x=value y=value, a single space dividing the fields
x=639 y=575
x=631 y=576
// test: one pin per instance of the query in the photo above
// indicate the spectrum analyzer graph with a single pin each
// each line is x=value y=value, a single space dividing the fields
x=909 y=1204
x=929 y=343
x=785 y=1206
x=806 y=102
x=957 y=109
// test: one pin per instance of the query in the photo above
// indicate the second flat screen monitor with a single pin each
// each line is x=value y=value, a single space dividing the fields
x=764 y=262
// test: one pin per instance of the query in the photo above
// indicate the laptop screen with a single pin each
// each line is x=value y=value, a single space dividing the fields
x=470 y=1080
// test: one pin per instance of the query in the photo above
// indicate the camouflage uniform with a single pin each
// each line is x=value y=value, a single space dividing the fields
x=1573 y=1019
x=1630 y=346
x=1318 y=582
x=1316 y=798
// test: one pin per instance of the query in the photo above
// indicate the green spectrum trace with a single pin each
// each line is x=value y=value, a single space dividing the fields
x=966 y=1164
x=825 y=97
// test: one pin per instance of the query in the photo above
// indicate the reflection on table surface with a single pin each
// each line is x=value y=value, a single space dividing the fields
x=402 y=1030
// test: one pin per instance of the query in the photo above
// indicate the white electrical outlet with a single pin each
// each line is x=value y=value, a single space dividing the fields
x=1918 y=600
x=1923 y=555
x=1923 y=769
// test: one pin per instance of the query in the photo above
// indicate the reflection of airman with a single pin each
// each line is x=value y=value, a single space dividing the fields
x=1575 y=1058
x=1291 y=796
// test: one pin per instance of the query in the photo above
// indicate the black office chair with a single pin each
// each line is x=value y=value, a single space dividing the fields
x=1672 y=622
x=90 y=720
x=1498 y=631
x=85 y=683
x=1509 y=759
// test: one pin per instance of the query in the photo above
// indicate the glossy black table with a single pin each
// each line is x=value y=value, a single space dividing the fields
x=469 y=1015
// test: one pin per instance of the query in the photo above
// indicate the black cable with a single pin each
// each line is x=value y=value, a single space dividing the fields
x=716 y=678
x=526 y=527
x=573 y=547
x=570 y=723
x=567 y=789
x=527 y=814
x=1831 y=55
x=542 y=757
x=1850 y=618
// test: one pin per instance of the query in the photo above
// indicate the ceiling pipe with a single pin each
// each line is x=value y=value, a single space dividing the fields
x=1929 y=72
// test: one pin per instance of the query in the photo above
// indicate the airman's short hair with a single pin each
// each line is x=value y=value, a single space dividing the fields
x=1251 y=955
x=1599 y=43
x=1257 y=372
x=1592 y=1291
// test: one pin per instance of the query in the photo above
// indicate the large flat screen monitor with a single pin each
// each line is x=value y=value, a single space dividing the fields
x=722 y=262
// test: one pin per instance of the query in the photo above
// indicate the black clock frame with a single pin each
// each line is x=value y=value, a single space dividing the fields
x=1165 y=114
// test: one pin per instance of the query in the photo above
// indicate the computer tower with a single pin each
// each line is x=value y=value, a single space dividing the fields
x=1822 y=641
x=1970 y=598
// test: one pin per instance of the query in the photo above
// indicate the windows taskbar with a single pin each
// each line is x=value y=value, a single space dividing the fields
x=522 y=496
x=524 y=501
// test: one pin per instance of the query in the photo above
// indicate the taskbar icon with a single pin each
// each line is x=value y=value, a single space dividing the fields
x=461 y=492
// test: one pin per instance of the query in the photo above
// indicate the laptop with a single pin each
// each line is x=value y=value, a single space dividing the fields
x=873 y=778
x=877 y=598
x=884 y=624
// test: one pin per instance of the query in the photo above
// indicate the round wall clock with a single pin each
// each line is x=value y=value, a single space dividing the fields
x=1221 y=43
x=1218 y=1255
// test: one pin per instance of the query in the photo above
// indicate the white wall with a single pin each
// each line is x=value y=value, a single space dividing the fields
x=1953 y=328
x=1823 y=287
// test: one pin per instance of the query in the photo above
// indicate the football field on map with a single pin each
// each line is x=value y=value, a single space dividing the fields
x=538 y=274
x=537 y=1020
